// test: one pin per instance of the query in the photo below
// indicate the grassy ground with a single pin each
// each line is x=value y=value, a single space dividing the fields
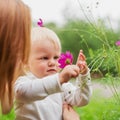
x=10 y=116
x=104 y=104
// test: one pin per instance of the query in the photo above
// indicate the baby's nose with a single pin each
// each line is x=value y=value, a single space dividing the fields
x=51 y=62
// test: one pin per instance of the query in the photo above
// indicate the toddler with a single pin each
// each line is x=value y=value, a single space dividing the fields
x=40 y=93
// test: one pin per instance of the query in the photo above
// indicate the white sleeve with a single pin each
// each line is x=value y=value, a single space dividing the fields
x=27 y=90
x=78 y=94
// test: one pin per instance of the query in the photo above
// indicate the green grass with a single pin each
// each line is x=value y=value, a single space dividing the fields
x=100 y=108
x=10 y=116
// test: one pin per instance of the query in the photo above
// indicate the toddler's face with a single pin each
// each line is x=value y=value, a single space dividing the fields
x=44 y=59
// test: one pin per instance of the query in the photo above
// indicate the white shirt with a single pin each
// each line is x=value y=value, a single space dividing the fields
x=42 y=99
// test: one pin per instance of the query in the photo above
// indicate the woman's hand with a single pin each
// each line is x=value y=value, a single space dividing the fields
x=69 y=113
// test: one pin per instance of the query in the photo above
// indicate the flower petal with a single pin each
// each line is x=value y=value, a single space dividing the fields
x=65 y=59
x=118 y=43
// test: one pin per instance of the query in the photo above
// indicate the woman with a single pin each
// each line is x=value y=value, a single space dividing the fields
x=15 y=25
x=69 y=113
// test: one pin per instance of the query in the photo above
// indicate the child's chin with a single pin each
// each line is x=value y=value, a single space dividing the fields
x=52 y=72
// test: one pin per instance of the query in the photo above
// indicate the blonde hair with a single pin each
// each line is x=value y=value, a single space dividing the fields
x=15 y=26
x=43 y=33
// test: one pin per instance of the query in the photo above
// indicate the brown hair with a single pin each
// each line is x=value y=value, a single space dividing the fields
x=15 y=27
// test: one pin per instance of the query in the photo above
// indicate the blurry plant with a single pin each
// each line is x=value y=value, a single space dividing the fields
x=118 y=43
x=100 y=45
x=106 y=58
x=117 y=57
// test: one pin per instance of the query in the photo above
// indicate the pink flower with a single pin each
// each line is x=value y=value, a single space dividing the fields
x=65 y=59
x=118 y=43
x=40 y=23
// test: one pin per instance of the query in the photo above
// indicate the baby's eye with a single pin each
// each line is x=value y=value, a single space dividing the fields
x=56 y=57
x=43 y=58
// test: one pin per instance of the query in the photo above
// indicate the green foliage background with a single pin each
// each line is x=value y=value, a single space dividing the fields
x=96 y=40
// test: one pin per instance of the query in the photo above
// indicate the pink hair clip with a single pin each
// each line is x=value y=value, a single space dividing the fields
x=40 y=23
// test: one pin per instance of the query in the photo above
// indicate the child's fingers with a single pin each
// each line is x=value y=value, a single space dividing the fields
x=83 y=67
x=81 y=64
x=81 y=57
x=84 y=70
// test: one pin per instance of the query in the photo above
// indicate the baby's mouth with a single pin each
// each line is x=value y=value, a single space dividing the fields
x=51 y=70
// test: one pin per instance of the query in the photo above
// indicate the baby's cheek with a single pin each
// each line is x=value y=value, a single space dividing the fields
x=58 y=69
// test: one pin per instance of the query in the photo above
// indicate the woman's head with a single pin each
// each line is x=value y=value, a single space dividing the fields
x=45 y=51
x=15 y=26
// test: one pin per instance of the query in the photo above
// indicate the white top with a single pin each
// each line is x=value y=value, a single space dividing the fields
x=42 y=99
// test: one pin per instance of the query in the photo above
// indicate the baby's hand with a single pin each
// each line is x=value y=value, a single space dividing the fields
x=70 y=71
x=81 y=63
